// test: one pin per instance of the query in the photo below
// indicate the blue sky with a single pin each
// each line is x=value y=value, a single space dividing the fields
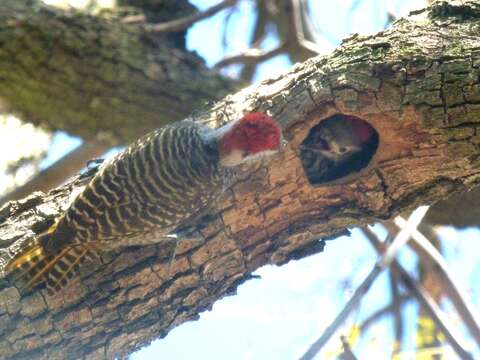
x=279 y=315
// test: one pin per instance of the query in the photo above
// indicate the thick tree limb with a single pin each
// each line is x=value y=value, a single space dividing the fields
x=417 y=84
x=94 y=76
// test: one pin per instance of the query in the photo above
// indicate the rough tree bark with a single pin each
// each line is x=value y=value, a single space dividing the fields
x=417 y=84
x=97 y=77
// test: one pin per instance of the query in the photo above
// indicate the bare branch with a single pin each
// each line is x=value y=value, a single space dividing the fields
x=397 y=316
x=454 y=338
x=251 y=56
x=184 y=23
x=226 y=23
x=384 y=261
x=259 y=33
x=425 y=300
x=464 y=308
x=390 y=308
x=351 y=304
x=293 y=39
x=298 y=15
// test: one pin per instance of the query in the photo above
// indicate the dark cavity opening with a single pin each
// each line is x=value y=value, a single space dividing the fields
x=338 y=146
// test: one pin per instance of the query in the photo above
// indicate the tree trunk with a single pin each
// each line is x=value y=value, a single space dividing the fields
x=96 y=77
x=417 y=84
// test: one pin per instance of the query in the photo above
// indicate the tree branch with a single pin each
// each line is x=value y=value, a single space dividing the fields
x=426 y=301
x=250 y=56
x=397 y=315
x=403 y=88
x=299 y=15
x=382 y=263
x=184 y=23
x=96 y=77
x=462 y=305
x=386 y=310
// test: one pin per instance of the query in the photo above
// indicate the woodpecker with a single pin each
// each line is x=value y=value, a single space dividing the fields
x=141 y=196
x=337 y=147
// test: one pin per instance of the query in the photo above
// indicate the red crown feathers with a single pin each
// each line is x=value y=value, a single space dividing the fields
x=361 y=129
x=255 y=132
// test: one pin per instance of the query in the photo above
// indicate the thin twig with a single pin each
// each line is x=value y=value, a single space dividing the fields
x=258 y=35
x=397 y=315
x=226 y=23
x=461 y=303
x=251 y=55
x=255 y=55
x=425 y=300
x=351 y=304
x=390 y=308
x=437 y=315
x=186 y=22
x=427 y=333
x=60 y=171
x=384 y=261
x=298 y=26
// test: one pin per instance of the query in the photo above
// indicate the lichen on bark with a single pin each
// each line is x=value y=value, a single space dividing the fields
x=417 y=84
x=94 y=76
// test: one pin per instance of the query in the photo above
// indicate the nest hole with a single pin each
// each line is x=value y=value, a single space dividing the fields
x=337 y=147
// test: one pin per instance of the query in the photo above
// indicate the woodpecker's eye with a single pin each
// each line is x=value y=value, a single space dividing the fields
x=342 y=149
x=244 y=154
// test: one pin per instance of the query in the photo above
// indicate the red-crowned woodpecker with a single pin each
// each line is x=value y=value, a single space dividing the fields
x=145 y=193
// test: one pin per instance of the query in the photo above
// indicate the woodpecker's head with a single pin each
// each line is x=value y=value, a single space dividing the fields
x=254 y=135
x=339 y=139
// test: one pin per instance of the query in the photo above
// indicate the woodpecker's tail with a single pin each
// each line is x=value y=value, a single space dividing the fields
x=35 y=266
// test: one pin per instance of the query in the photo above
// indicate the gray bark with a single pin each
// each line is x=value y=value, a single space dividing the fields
x=417 y=84
x=94 y=76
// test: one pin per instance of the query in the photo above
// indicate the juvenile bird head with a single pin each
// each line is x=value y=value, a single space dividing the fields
x=254 y=135
x=339 y=139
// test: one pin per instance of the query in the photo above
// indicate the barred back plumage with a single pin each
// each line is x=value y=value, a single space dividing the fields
x=162 y=182
x=141 y=195
x=158 y=182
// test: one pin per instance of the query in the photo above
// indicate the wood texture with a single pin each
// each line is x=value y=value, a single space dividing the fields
x=96 y=77
x=418 y=84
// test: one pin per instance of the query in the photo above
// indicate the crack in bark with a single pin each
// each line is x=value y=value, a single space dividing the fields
x=281 y=216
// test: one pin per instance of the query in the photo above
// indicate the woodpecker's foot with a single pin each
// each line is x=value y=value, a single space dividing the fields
x=172 y=258
x=193 y=231
x=95 y=162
